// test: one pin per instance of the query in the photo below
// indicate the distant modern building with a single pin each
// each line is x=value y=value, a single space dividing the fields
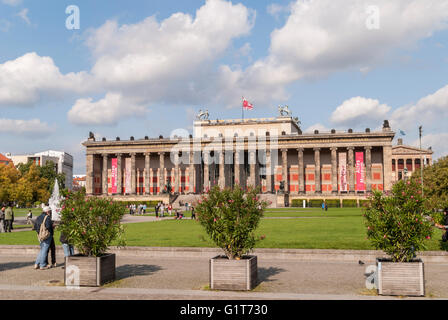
x=63 y=161
x=4 y=160
x=407 y=159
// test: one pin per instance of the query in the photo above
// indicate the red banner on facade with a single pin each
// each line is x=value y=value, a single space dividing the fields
x=342 y=171
x=360 y=183
x=114 y=175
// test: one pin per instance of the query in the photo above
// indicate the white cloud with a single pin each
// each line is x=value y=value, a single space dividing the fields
x=150 y=52
x=325 y=36
x=12 y=2
x=31 y=128
x=25 y=80
x=359 y=112
x=316 y=126
x=24 y=15
x=106 y=111
x=437 y=141
x=427 y=111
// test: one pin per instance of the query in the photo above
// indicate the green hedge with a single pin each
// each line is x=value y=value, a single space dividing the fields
x=298 y=203
x=349 y=203
x=315 y=203
x=333 y=203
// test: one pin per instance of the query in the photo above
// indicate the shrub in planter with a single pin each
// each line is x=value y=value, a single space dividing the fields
x=230 y=218
x=91 y=224
x=399 y=225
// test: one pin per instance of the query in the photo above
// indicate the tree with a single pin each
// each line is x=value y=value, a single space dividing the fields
x=9 y=176
x=49 y=172
x=435 y=181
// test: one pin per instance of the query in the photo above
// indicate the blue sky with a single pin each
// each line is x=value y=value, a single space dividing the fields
x=146 y=67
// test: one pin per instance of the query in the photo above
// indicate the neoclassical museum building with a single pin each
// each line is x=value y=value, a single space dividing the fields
x=271 y=153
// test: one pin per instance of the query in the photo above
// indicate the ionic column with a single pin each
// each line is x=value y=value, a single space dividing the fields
x=268 y=171
x=133 y=175
x=317 y=169
x=252 y=166
x=236 y=165
x=161 y=179
x=301 y=170
x=351 y=170
x=176 y=173
x=222 y=179
x=104 y=175
x=89 y=174
x=334 y=170
x=285 y=169
x=119 y=175
x=413 y=165
x=206 y=155
x=368 y=168
x=191 y=173
x=147 y=168
x=387 y=167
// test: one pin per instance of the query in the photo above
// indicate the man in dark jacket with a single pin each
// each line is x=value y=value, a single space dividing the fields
x=45 y=217
x=9 y=218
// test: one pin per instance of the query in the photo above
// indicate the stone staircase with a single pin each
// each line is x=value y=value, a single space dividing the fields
x=183 y=198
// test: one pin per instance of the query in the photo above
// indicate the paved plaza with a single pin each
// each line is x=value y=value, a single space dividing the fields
x=140 y=276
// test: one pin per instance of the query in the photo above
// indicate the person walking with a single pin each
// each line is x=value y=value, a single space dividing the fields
x=52 y=252
x=9 y=218
x=170 y=209
x=2 y=219
x=45 y=219
x=157 y=210
x=29 y=217
x=162 y=209
x=193 y=216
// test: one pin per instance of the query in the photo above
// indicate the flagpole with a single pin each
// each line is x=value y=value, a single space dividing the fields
x=242 y=109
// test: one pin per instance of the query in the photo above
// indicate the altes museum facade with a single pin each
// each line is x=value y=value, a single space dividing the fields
x=270 y=153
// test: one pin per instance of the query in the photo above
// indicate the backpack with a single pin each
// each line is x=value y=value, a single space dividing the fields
x=43 y=234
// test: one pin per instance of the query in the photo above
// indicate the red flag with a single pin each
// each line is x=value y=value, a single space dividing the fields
x=247 y=105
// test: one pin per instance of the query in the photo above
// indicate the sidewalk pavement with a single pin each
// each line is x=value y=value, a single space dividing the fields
x=159 y=276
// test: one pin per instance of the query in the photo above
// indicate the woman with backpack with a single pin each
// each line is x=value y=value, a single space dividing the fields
x=44 y=229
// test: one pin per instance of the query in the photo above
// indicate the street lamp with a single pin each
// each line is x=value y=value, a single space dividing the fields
x=421 y=160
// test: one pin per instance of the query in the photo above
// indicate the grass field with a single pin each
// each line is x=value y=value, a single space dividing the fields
x=338 y=228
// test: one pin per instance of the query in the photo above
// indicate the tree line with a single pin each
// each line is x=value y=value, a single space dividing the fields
x=27 y=184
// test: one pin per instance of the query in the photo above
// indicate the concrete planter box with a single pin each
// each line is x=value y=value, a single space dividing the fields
x=401 y=278
x=228 y=274
x=89 y=271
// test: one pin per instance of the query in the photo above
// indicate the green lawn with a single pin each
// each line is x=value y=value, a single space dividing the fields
x=338 y=228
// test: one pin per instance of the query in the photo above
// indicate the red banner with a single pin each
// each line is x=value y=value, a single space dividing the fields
x=360 y=183
x=114 y=175
x=342 y=171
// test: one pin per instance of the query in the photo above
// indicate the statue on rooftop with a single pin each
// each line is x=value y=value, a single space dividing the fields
x=284 y=111
x=202 y=115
